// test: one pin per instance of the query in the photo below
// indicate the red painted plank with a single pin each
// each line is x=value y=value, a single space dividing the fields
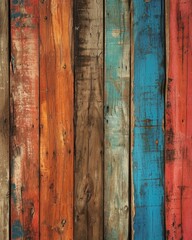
x=56 y=119
x=178 y=170
x=24 y=120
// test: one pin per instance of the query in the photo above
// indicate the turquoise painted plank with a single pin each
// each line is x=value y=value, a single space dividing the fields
x=148 y=109
x=117 y=81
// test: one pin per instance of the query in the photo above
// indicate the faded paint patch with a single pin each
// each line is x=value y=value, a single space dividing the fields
x=13 y=193
x=17 y=173
x=15 y=2
x=17 y=230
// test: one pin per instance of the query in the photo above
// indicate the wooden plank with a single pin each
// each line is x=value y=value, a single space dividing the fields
x=178 y=169
x=24 y=120
x=89 y=119
x=56 y=120
x=116 y=115
x=148 y=111
x=4 y=122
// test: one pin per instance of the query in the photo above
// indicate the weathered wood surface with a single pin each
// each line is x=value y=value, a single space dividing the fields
x=4 y=122
x=24 y=120
x=148 y=112
x=178 y=121
x=116 y=115
x=89 y=119
x=56 y=120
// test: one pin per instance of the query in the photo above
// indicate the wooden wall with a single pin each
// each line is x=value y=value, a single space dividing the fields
x=95 y=119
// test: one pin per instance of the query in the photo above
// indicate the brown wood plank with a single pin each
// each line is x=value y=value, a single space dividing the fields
x=4 y=122
x=56 y=120
x=24 y=119
x=89 y=119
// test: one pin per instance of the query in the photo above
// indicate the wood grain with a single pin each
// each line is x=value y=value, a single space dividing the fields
x=148 y=111
x=24 y=93
x=116 y=115
x=4 y=121
x=88 y=119
x=178 y=169
x=56 y=120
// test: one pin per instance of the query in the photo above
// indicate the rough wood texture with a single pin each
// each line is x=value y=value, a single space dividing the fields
x=117 y=81
x=4 y=122
x=89 y=119
x=148 y=102
x=178 y=122
x=24 y=120
x=56 y=120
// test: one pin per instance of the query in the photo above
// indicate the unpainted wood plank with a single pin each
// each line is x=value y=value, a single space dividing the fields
x=88 y=119
x=148 y=114
x=116 y=115
x=56 y=120
x=178 y=169
x=24 y=101
x=4 y=122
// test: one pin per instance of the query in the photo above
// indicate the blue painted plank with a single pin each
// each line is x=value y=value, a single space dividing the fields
x=117 y=82
x=148 y=109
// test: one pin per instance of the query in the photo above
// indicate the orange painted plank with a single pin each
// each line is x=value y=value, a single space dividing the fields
x=56 y=120
x=4 y=121
x=178 y=169
x=24 y=82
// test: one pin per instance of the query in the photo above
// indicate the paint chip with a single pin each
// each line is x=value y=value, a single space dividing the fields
x=116 y=33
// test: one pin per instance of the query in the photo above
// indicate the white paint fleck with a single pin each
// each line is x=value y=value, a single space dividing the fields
x=116 y=33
